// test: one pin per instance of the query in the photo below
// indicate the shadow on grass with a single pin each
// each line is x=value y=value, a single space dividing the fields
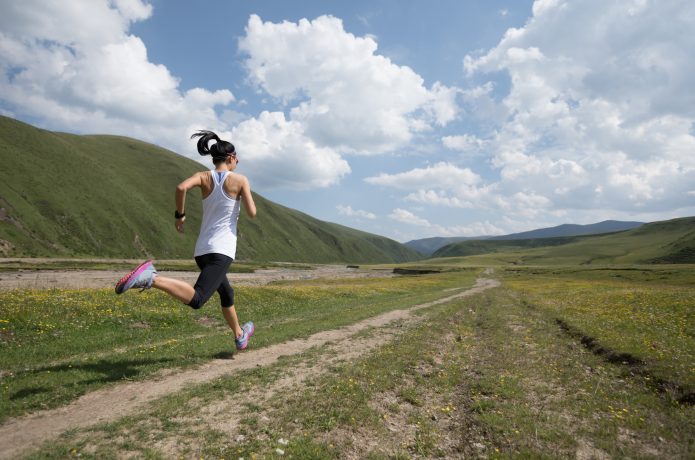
x=110 y=371
x=224 y=355
x=636 y=366
x=27 y=392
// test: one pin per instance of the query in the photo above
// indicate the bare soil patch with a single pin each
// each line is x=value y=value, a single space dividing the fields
x=97 y=279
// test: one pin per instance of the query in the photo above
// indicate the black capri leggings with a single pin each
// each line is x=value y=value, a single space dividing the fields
x=213 y=277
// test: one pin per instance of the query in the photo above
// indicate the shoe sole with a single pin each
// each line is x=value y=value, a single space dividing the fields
x=123 y=281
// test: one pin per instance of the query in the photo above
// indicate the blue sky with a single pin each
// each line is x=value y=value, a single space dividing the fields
x=402 y=118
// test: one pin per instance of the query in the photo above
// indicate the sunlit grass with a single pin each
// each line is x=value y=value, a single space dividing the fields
x=637 y=312
x=489 y=375
x=57 y=344
x=484 y=376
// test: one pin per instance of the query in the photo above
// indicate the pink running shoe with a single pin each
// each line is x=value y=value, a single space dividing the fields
x=246 y=333
x=142 y=277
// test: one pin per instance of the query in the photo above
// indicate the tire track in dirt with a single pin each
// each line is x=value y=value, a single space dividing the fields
x=22 y=433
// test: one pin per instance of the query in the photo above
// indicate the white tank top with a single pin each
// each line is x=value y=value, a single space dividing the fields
x=220 y=215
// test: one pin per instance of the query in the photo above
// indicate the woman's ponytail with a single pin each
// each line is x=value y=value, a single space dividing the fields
x=205 y=137
x=219 y=150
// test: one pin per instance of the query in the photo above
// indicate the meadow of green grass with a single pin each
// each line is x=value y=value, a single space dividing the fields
x=490 y=376
x=58 y=344
x=644 y=316
x=493 y=375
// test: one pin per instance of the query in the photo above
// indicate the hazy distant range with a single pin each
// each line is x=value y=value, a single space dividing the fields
x=428 y=246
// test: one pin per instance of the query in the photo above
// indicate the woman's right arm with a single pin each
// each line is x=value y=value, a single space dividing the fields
x=194 y=181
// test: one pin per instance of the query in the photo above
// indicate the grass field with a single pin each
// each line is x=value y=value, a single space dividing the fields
x=643 y=317
x=557 y=362
x=58 y=344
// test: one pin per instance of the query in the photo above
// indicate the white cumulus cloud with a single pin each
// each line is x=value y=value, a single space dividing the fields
x=441 y=175
x=348 y=211
x=437 y=198
x=76 y=66
x=427 y=229
x=282 y=156
x=600 y=109
x=345 y=94
x=463 y=143
x=406 y=217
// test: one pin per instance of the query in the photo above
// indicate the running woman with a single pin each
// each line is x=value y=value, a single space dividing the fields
x=223 y=192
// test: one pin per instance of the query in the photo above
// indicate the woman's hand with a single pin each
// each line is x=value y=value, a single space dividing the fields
x=179 y=224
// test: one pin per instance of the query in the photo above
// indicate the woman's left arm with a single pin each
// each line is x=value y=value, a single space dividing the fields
x=246 y=195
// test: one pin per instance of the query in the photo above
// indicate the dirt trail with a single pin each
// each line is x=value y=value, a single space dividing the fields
x=95 y=279
x=23 y=433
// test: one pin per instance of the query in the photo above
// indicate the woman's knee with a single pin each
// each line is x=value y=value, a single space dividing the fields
x=198 y=300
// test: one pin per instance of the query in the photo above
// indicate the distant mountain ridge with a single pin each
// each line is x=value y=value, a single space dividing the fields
x=607 y=226
x=428 y=246
x=63 y=195
x=670 y=241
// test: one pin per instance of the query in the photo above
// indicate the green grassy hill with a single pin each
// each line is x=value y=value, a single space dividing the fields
x=474 y=247
x=429 y=246
x=671 y=241
x=63 y=195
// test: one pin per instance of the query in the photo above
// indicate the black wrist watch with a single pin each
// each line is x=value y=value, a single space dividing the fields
x=179 y=216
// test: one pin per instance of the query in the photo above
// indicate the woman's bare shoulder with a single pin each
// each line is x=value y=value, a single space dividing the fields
x=238 y=178
x=200 y=175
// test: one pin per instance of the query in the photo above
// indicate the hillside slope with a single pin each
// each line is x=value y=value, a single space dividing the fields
x=63 y=195
x=428 y=246
x=671 y=241
x=474 y=247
